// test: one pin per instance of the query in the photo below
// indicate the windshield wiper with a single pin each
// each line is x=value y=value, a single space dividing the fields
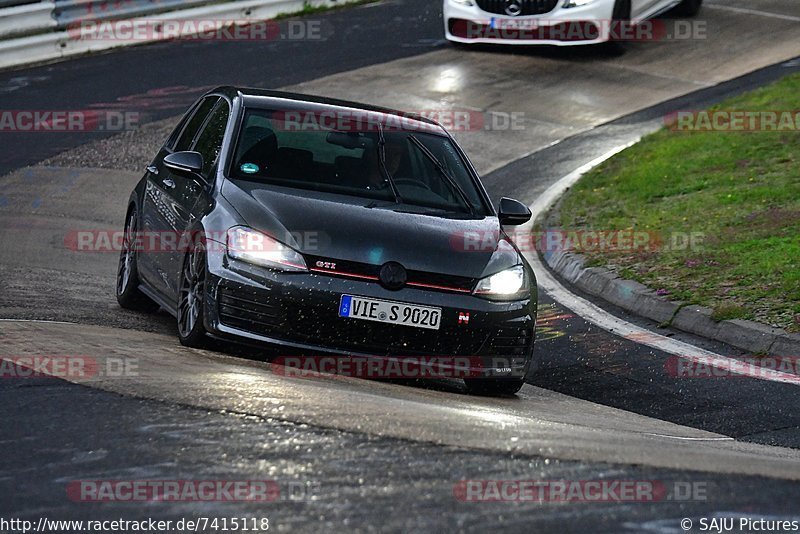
x=382 y=158
x=436 y=212
x=443 y=171
x=375 y=204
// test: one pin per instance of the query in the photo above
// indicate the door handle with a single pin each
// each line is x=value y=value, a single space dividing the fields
x=152 y=169
x=168 y=183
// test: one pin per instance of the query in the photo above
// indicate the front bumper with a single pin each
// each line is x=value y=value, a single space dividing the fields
x=298 y=313
x=589 y=24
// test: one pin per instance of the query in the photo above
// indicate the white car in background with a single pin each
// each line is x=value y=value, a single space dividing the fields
x=554 y=22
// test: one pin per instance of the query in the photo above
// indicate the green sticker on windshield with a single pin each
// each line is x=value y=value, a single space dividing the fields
x=249 y=168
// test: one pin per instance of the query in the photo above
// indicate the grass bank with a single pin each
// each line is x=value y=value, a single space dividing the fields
x=740 y=190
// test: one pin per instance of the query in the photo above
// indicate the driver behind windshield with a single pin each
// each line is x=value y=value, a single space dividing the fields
x=394 y=150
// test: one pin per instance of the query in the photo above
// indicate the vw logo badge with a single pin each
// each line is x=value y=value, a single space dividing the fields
x=393 y=276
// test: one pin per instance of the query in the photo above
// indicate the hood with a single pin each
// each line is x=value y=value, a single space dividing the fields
x=339 y=227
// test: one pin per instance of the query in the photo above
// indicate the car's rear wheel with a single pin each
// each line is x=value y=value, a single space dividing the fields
x=688 y=8
x=191 y=298
x=128 y=294
x=494 y=386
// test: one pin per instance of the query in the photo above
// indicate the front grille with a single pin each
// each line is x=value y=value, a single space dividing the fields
x=444 y=282
x=367 y=271
x=529 y=7
x=249 y=309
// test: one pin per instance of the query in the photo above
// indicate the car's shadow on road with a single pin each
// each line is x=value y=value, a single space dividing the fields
x=576 y=54
x=270 y=355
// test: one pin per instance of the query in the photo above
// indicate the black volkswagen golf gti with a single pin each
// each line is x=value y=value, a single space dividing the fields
x=331 y=228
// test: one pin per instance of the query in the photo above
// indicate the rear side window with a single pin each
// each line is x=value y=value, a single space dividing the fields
x=194 y=124
x=209 y=143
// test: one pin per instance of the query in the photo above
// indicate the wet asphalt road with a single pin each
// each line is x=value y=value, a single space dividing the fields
x=578 y=358
x=62 y=432
x=59 y=433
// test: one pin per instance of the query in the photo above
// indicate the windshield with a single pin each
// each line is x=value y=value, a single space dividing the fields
x=393 y=168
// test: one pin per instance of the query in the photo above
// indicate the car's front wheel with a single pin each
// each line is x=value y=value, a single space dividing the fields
x=191 y=298
x=688 y=8
x=494 y=386
x=621 y=20
x=128 y=294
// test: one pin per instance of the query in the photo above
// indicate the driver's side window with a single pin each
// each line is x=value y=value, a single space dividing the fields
x=209 y=142
x=194 y=124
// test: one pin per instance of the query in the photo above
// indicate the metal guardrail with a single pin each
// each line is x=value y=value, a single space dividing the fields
x=67 y=13
x=11 y=3
x=57 y=41
x=26 y=19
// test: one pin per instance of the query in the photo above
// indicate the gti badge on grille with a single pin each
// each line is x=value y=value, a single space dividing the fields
x=326 y=265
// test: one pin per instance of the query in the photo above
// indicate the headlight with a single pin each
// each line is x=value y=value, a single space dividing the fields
x=251 y=246
x=576 y=3
x=505 y=285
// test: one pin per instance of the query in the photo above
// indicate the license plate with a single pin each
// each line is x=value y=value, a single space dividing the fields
x=513 y=24
x=385 y=311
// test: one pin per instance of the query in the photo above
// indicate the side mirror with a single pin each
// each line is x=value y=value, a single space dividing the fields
x=513 y=212
x=186 y=164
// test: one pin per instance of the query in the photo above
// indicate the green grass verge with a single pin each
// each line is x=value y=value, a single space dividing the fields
x=740 y=189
